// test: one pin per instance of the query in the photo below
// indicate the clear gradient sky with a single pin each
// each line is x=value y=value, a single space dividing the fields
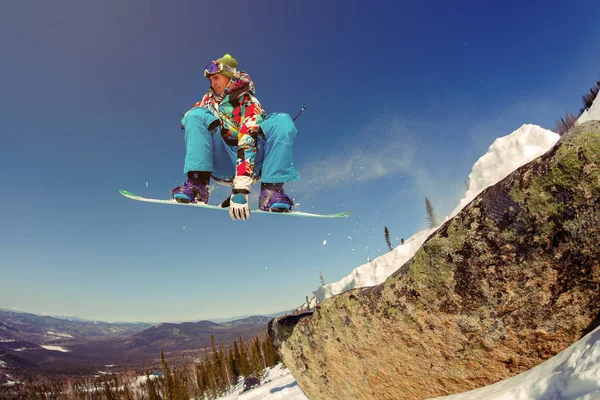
x=402 y=99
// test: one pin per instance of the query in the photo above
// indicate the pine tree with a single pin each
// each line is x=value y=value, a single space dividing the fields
x=271 y=356
x=231 y=364
x=180 y=391
x=431 y=217
x=169 y=387
x=213 y=347
x=211 y=382
x=224 y=367
x=216 y=364
x=108 y=393
x=564 y=124
x=387 y=238
x=127 y=395
x=256 y=360
x=236 y=359
x=245 y=369
x=201 y=383
x=151 y=386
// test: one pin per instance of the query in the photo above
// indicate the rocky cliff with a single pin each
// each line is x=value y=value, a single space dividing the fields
x=510 y=281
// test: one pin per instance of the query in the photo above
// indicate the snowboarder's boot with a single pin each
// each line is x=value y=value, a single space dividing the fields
x=191 y=192
x=273 y=198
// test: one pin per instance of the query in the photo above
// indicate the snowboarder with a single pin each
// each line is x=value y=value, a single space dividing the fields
x=229 y=136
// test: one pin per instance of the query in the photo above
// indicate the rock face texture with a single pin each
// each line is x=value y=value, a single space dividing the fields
x=509 y=282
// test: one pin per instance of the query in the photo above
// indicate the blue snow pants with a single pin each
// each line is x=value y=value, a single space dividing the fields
x=206 y=150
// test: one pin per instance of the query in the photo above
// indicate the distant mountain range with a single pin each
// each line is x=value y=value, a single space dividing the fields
x=39 y=324
x=33 y=345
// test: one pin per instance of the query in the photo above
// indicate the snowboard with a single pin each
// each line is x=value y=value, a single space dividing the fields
x=133 y=196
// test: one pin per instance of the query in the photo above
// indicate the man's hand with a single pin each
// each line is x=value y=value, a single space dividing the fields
x=238 y=202
x=238 y=205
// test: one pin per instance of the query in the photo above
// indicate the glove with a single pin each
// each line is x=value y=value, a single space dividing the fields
x=238 y=206
x=238 y=202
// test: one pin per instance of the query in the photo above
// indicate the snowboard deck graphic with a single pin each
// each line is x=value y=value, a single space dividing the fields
x=133 y=196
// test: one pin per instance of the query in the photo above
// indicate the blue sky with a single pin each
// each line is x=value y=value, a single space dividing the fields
x=402 y=99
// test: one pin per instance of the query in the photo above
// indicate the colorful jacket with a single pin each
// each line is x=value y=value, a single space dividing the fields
x=240 y=113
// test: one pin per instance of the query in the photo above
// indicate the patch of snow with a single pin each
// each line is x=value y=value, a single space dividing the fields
x=59 y=334
x=504 y=156
x=376 y=271
x=11 y=381
x=55 y=348
x=6 y=340
x=592 y=113
x=278 y=383
x=573 y=374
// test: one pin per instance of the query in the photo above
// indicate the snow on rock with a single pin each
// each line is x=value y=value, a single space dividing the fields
x=376 y=271
x=593 y=113
x=504 y=156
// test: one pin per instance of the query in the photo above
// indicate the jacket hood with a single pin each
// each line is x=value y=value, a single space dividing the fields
x=239 y=84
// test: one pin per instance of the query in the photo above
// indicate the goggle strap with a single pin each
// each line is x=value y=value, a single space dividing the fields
x=223 y=67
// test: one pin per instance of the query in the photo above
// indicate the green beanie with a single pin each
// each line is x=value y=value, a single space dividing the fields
x=230 y=62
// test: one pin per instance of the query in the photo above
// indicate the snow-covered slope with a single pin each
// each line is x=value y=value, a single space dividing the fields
x=593 y=113
x=573 y=374
x=278 y=383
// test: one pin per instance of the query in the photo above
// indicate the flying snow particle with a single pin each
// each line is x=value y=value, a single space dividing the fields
x=324 y=242
x=146 y=183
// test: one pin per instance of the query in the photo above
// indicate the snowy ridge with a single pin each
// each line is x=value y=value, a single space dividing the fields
x=376 y=271
x=504 y=156
x=593 y=113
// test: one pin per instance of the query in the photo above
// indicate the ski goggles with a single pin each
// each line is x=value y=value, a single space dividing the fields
x=214 y=67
